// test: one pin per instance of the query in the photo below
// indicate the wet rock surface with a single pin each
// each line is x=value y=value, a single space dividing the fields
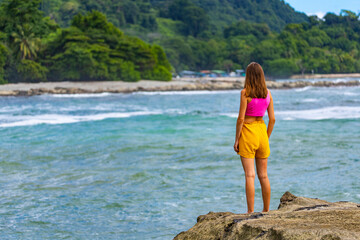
x=296 y=218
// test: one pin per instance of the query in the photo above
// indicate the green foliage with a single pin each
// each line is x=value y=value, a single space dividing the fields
x=23 y=24
x=239 y=51
x=260 y=31
x=194 y=18
x=94 y=49
x=273 y=12
x=90 y=49
x=206 y=53
x=25 y=44
x=314 y=44
x=269 y=49
x=120 y=13
x=281 y=67
x=3 y=56
x=21 y=12
x=126 y=71
x=169 y=28
x=162 y=68
x=185 y=35
x=144 y=13
x=159 y=73
x=31 y=71
x=179 y=53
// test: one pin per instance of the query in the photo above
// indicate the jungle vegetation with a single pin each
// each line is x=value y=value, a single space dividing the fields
x=35 y=48
x=77 y=40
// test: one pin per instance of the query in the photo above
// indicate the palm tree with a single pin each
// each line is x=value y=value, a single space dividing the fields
x=25 y=42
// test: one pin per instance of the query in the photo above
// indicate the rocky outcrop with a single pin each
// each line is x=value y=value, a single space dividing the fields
x=297 y=218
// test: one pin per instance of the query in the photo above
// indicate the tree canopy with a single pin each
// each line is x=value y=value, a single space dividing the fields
x=35 y=48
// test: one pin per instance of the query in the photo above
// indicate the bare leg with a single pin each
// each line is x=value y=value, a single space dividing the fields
x=261 y=169
x=248 y=165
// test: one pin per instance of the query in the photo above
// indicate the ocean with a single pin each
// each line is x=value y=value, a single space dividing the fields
x=144 y=165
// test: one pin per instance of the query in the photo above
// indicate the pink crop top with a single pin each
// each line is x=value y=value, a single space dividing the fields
x=257 y=106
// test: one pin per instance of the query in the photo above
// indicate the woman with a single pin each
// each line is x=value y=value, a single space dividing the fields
x=252 y=137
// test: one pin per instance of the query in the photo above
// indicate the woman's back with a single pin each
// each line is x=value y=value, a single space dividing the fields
x=257 y=106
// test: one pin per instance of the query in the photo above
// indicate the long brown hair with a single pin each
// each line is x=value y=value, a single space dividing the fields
x=255 y=85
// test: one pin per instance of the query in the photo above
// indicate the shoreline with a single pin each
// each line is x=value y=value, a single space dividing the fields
x=30 y=89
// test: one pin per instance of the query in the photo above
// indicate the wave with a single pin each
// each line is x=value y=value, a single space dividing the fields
x=337 y=112
x=310 y=100
x=303 y=89
x=7 y=109
x=350 y=94
x=312 y=80
x=181 y=92
x=232 y=115
x=79 y=95
x=72 y=108
x=345 y=80
x=18 y=121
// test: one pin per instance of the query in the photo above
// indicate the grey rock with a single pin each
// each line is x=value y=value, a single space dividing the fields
x=297 y=218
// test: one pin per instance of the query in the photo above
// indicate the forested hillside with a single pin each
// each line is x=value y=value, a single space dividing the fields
x=220 y=13
x=40 y=39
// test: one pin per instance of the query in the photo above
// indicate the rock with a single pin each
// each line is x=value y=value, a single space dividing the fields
x=7 y=93
x=297 y=218
x=23 y=93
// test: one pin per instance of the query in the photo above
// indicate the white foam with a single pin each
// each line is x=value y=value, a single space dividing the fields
x=77 y=107
x=340 y=80
x=303 y=89
x=345 y=80
x=5 y=117
x=351 y=94
x=80 y=95
x=310 y=100
x=314 y=80
x=62 y=119
x=337 y=112
x=7 y=109
x=289 y=118
x=195 y=92
x=232 y=115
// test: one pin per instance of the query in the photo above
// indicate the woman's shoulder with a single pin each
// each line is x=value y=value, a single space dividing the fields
x=243 y=92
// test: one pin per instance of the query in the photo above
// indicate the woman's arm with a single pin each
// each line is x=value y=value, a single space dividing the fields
x=271 y=115
x=240 y=119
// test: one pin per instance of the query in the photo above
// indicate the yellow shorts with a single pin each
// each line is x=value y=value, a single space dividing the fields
x=254 y=141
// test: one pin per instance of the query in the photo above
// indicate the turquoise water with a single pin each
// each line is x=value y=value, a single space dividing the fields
x=145 y=165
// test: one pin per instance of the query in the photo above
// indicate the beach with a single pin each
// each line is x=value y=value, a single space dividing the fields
x=182 y=84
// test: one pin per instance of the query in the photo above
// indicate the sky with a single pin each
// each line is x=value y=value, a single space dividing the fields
x=321 y=7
